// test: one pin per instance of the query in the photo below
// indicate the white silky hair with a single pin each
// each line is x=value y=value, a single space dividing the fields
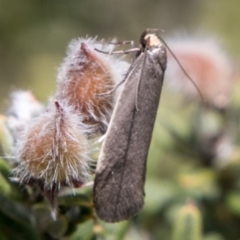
x=64 y=145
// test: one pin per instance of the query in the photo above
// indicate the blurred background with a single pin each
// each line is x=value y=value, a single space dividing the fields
x=34 y=34
x=194 y=159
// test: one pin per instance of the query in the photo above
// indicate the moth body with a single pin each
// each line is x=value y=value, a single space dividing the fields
x=120 y=174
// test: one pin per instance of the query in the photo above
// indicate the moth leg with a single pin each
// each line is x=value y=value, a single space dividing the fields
x=131 y=50
x=131 y=42
x=88 y=184
x=119 y=52
x=101 y=139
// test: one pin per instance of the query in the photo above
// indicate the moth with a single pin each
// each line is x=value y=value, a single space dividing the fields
x=118 y=191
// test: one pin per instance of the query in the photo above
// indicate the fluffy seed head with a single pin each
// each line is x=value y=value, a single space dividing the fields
x=86 y=76
x=53 y=150
x=207 y=64
x=6 y=138
x=23 y=107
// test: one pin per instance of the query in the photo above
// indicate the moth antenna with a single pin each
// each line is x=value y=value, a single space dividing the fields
x=154 y=30
x=182 y=68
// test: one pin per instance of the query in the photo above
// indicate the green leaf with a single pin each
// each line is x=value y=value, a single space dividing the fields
x=81 y=196
x=15 y=216
x=114 y=231
x=187 y=223
x=213 y=236
x=6 y=138
x=4 y=167
x=84 y=231
x=16 y=211
x=199 y=183
x=158 y=194
x=233 y=202
x=5 y=187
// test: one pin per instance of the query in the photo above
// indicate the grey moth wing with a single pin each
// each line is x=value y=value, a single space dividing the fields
x=118 y=191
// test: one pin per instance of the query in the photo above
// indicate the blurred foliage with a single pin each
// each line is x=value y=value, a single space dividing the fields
x=183 y=163
x=34 y=34
x=188 y=223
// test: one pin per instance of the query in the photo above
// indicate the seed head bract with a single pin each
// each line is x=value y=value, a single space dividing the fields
x=52 y=151
x=86 y=76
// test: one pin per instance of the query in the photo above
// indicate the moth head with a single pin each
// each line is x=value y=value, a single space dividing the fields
x=150 y=38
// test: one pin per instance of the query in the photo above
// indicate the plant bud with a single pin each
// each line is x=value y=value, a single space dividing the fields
x=23 y=107
x=188 y=223
x=85 y=79
x=208 y=66
x=6 y=137
x=53 y=151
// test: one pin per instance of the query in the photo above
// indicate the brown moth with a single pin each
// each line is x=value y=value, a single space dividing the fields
x=118 y=192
